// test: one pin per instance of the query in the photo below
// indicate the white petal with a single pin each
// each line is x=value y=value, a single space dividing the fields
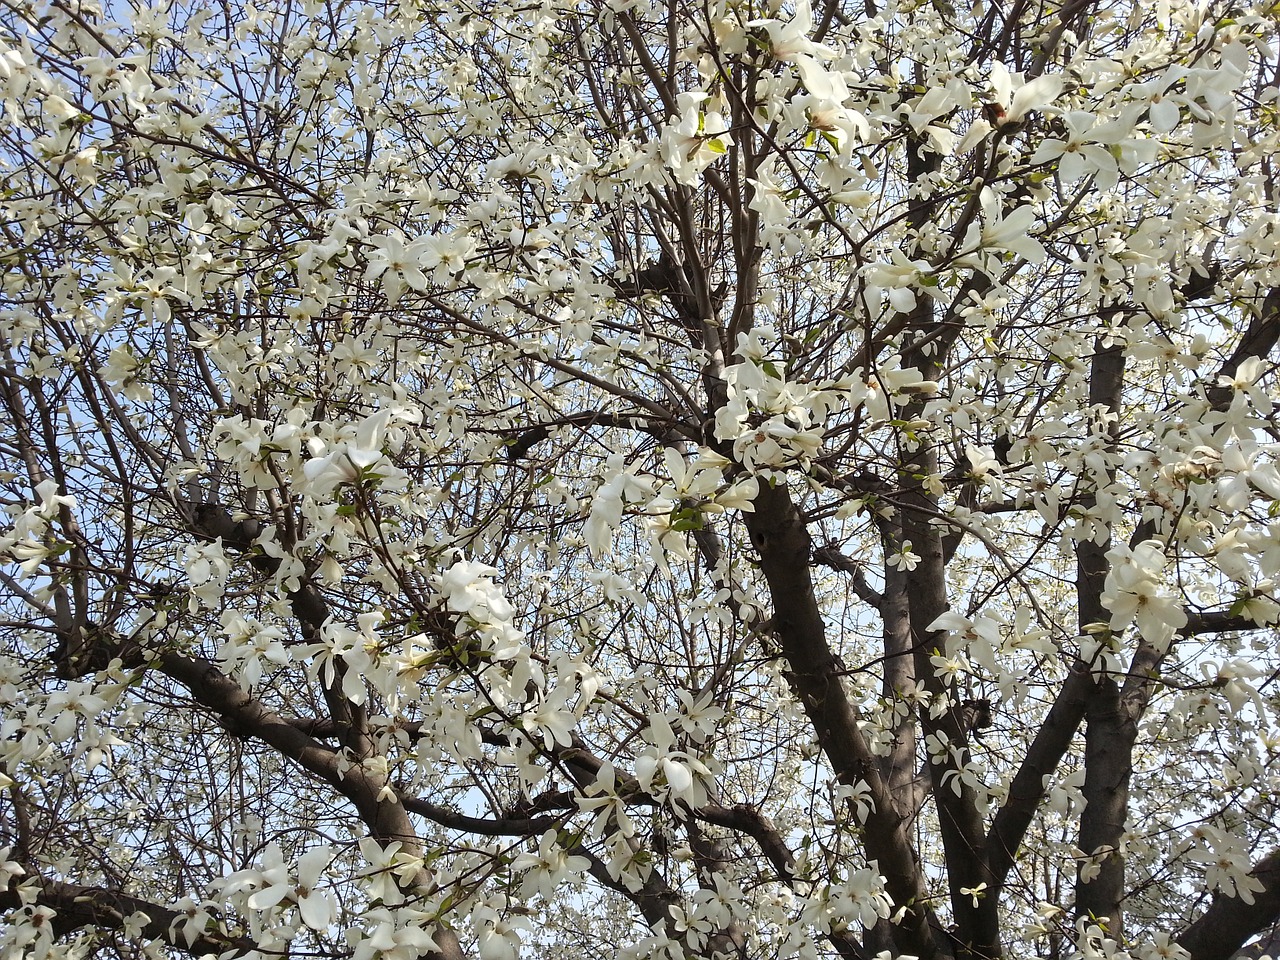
x=678 y=776
x=1039 y=92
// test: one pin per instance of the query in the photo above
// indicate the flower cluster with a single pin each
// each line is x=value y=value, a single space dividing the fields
x=1135 y=593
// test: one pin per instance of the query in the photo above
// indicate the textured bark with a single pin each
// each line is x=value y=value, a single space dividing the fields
x=382 y=812
x=977 y=933
x=1109 y=733
x=899 y=673
x=977 y=921
x=778 y=533
x=1258 y=340
x=213 y=521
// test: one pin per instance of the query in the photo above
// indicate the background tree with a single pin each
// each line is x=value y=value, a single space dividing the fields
x=658 y=480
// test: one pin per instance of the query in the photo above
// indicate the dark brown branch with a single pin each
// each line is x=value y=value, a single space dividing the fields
x=1109 y=731
x=1229 y=922
x=485 y=827
x=778 y=532
x=525 y=439
x=1059 y=728
x=747 y=819
x=1218 y=621
x=78 y=907
x=1258 y=340
x=382 y=812
x=1029 y=784
x=213 y=521
x=830 y=556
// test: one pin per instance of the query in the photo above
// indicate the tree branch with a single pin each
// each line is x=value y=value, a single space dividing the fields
x=78 y=906
x=777 y=531
x=1229 y=922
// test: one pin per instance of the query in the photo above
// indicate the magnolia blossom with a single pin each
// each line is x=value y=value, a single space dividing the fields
x=315 y=907
x=546 y=869
x=694 y=139
x=191 y=921
x=1135 y=593
x=677 y=775
x=273 y=883
x=1016 y=98
x=621 y=487
x=247 y=644
x=391 y=934
x=467 y=588
x=390 y=868
x=50 y=501
x=904 y=558
x=859 y=799
x=790 y=42
x=497 y=930
x=602 y=799
x=776 y=443
x=1011 y=232
x=1244 y=382
x=552 y=718
x=124 y=369
x=698 y=718
x=359 y=455
x=984 y=466
x=1086 y=149
x=1227 y=867
x=901 y=279
x=402 y=264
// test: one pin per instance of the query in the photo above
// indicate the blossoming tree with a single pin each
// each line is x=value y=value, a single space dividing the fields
x=618 y=478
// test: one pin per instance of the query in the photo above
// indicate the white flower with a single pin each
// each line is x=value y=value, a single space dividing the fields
x=949 y=669
x=1228 y=868
x=859 y=799
x=681 y=773
x=552 y=718
x=396 y=262
x=699 y=717
x=547 y=868
x=468 y=588
x=50 y=500
x=191 y=917
x=392 y=935
x=904 y=559
x=1035 y=94
x=740 y=496
x=694 y=139
x=982 y=461
x=621 y=487
x=268 y=882
x=863 y=896
x=496 y=929
x=1085 y=151
x=388 y=870
x=400 y=264
x=899 y=279
x=1133 y=593
x=359 y=454
x=1012 y=232
x=1245 y=382
x=602 y=799
x=317 y=909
